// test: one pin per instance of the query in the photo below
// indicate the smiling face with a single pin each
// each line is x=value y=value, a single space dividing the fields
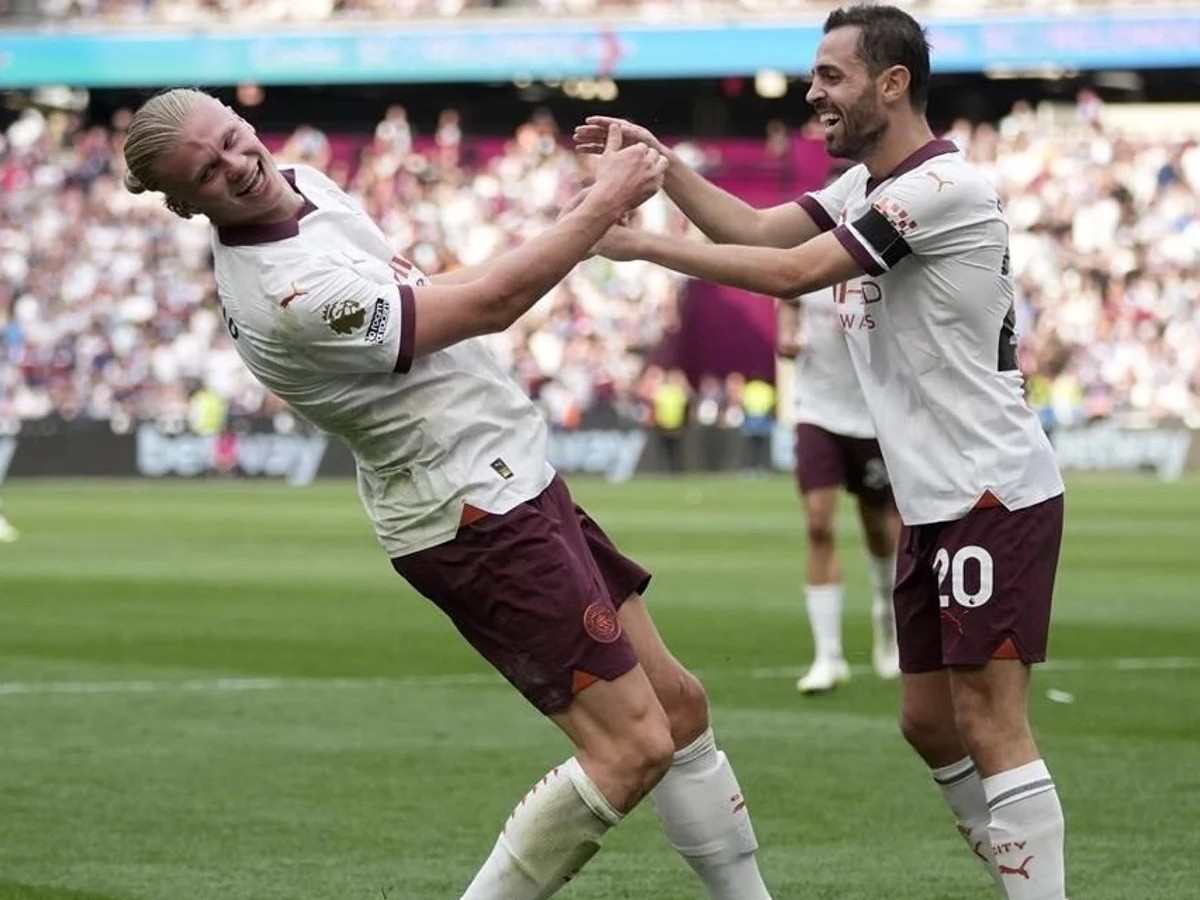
x=220 y=168
x=846 y=97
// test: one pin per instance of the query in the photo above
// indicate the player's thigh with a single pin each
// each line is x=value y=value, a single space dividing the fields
x=880 y=523
x=996 y=693
x=612 y=711
x=678 y=690
x=523 y=588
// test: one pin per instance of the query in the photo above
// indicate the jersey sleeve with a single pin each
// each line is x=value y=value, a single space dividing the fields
x=925 y=212
x=337 y=320
x=825 y=206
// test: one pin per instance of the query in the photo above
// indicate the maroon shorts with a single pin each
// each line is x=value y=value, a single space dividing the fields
x=535 y=591
x=825 y=459
x=978 y=588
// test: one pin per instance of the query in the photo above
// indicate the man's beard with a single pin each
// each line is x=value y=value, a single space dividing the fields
x=862 y=128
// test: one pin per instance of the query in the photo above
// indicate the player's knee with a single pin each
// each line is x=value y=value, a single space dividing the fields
x=649 y=754
x=923 y=731
x=820 y=533
x=687 y=708
x=983 y=727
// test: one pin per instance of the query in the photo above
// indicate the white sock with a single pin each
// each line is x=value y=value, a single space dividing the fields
x=824 y=602
x=547 y=839
x=705 y=818
x=882 y=572
x=1027 y=832
x=962 y=789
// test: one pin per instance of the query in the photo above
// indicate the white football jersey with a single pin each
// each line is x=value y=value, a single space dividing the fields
x=930 y=331
x=321 y=310
x=826 y=391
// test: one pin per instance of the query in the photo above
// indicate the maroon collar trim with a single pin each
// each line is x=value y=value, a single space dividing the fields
x=914 y=159
x=248 y=235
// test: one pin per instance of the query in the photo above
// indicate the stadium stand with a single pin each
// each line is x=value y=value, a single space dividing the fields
x=106 y=307
x=255 y=12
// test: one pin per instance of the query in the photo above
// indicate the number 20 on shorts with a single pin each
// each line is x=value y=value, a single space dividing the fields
x=956 y=568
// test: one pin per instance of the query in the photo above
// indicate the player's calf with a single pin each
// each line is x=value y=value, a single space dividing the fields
x=1026 y=826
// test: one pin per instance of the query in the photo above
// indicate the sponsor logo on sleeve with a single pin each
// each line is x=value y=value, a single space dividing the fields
x=896 y=214
x=343 y=316
x=379 y=319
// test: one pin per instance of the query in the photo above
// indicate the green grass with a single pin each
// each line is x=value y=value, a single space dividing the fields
x=377 y=755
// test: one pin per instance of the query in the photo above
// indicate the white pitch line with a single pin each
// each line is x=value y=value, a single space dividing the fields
x=229 y=685
x=1132 y=664
x=233 y=685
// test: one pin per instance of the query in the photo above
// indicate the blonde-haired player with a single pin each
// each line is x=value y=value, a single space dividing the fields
x=452 y=472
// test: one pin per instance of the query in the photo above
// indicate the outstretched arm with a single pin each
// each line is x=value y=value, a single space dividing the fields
x=465 y=274
x=817 y=263
x=513 y=282
x=722 y=217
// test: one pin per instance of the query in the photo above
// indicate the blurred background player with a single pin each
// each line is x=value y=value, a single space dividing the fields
x=452 y=471
x=836 y=447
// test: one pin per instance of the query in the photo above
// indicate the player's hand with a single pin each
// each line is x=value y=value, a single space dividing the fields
x=592 y=135
x=627 y=177
x=618 y=244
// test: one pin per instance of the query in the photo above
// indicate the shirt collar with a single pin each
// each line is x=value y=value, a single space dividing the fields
x=245 y=235
x=914 y=159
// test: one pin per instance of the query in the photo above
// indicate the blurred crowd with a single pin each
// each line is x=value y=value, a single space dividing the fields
x=107 y=303
x=254 y=12
x=1106 y=256
x=107 y=308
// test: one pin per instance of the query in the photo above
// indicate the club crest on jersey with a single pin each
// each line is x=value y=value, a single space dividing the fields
x=343 y=316
x=379 y=319
x=896 y=214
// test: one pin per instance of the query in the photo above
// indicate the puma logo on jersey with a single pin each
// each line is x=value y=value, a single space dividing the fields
x=941 y=182
x=296 y=292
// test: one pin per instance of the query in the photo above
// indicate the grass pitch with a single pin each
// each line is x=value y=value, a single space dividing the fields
x=220 y=690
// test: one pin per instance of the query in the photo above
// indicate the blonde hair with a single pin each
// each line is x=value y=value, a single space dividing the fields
x=152 y=132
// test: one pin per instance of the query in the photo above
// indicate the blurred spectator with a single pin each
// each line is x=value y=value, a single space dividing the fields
x=670 y=398
x=758 y=401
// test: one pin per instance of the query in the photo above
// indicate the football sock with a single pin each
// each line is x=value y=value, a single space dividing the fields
x=962 y=789
x=824 y=602
x=705 y=818
x=1027 y=832
x=547 y=839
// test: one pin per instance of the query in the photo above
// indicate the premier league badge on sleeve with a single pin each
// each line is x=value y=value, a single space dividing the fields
x=379 y=319
x=343 y=316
